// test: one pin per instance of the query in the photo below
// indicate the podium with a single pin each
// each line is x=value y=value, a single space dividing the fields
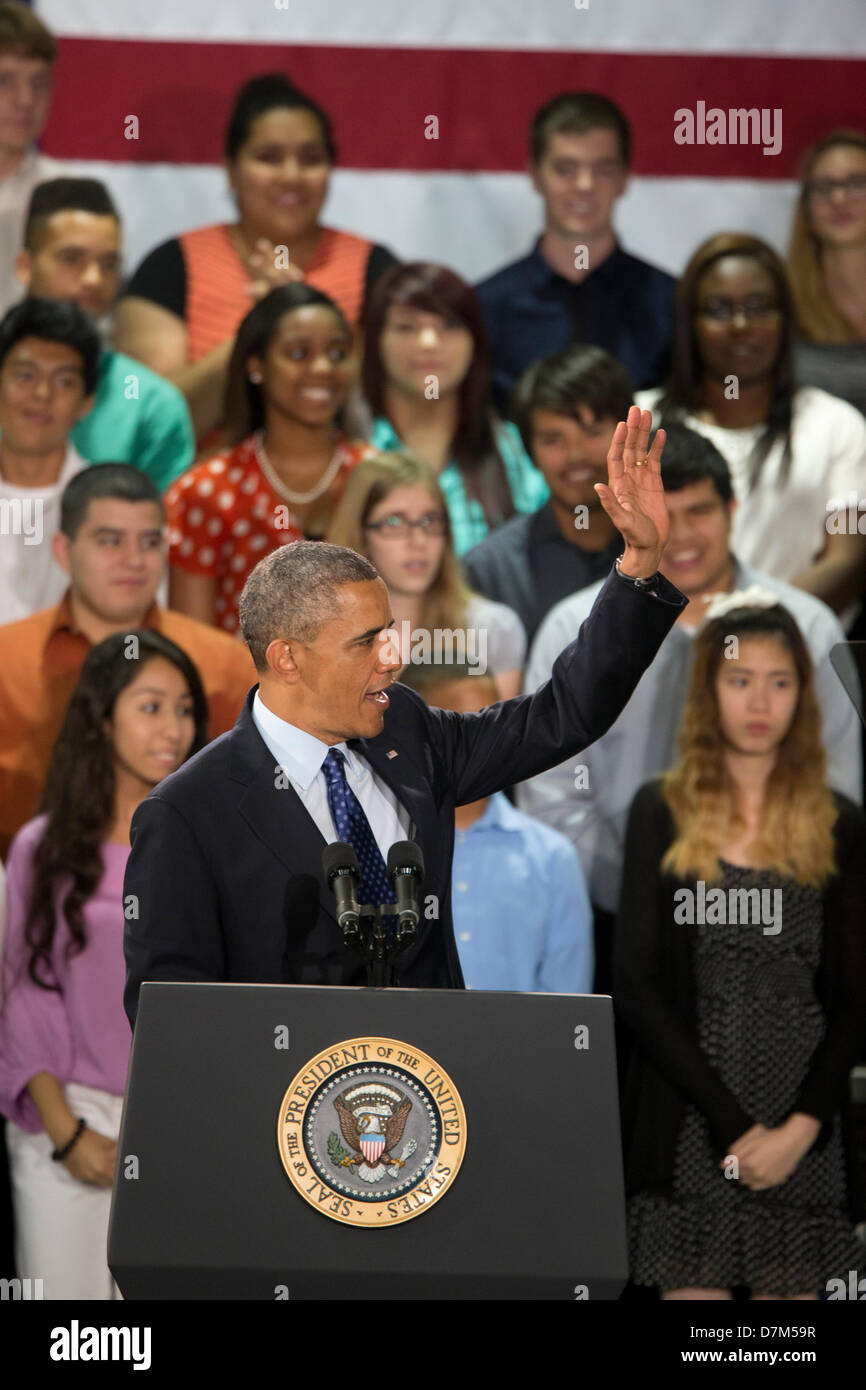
x=247 y=1169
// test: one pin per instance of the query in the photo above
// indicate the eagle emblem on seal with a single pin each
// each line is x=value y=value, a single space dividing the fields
x=372 y=1120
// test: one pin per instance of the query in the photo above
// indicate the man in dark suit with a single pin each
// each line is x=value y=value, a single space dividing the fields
x=224 y=879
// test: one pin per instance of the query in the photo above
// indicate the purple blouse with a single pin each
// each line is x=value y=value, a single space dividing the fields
x=82 y=1033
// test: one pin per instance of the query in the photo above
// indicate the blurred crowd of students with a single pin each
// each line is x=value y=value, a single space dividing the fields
x=162 y=433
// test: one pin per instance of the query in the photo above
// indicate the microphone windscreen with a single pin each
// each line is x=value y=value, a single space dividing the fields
x=405 y=854
x=339 y=856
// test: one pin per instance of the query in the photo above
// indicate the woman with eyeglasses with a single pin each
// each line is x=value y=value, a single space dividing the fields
x=393 y=512
x=288 y=460
x=827 y=266
x=797 y=455
x=426 y=379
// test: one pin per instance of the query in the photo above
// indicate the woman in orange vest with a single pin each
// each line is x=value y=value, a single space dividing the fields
x=185 y=301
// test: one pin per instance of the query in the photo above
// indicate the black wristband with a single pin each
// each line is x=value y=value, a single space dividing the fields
x=649 y=585
x=59 y=1154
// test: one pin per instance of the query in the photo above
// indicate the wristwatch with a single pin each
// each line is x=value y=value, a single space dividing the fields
x=649 y=585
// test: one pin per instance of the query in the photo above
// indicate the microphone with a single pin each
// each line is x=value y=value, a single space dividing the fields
x=406 y=872
x=342 y=875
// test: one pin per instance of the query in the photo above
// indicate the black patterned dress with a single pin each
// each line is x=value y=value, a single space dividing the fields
x=759 y=1024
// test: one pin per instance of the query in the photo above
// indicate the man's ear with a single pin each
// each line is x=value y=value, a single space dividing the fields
x=280 y=657
x=23 y=268
x=60 y=550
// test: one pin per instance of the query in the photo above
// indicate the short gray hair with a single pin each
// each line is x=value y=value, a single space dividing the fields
x=292 y=593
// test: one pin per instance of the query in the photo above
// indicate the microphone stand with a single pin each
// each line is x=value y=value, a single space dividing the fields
x=378 y=951
x=362 y=925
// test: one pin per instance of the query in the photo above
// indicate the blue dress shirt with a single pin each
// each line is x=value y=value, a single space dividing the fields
x=624 y=305
x=521 y=911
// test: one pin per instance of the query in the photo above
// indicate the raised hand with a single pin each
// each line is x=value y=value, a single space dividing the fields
x=633 y=497
x=264 y=273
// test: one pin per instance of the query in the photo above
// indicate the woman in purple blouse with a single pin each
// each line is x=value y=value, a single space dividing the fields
x=137 y=713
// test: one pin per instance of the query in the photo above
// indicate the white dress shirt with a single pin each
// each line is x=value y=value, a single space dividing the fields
x=30 y=577
x=300 y=755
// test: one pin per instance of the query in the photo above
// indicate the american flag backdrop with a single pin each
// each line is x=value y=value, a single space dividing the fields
x=382 y=67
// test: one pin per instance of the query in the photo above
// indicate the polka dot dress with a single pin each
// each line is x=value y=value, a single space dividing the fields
x=224 y=515
x=759 y=1024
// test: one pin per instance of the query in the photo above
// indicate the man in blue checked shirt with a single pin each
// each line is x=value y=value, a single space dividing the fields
x=521 y=911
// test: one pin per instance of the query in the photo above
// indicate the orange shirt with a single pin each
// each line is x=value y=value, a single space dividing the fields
x=217 y=293
x=40 y=661
x=224 y=515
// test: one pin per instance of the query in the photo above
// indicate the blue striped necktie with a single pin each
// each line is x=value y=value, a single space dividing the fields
x=354 y=829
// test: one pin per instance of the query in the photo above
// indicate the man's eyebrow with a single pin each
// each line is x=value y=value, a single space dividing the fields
x=120 y=531
x=24 y=359
x=371 y=632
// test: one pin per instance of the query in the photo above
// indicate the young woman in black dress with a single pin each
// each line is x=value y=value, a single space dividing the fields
x=747 y=1006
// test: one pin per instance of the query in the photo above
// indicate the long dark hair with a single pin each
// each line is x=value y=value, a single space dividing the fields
x=244 y=399
x=80 y=789
x=438 y=290
x=795 y=834
x=682 y=390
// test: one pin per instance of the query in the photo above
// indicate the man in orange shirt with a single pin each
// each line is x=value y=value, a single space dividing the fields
x=111 y=543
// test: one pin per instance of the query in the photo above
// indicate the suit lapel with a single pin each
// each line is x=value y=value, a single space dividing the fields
x=272 y=808
x=411 y=788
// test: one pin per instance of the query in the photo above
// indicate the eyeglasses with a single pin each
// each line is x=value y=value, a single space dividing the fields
x=854 y=186
x=724 y=310
x=399 y=526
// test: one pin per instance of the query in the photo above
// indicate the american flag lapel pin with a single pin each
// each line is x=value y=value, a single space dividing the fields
x=392 y=752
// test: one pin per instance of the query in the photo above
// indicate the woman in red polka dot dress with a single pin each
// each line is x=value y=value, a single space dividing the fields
x=289 y=377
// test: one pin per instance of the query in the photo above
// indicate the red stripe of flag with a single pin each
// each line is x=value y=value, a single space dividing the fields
x=483 y=98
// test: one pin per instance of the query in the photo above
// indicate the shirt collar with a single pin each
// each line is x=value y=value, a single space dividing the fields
x=498 y=814
x=61 y=620
x=545 y=529
x=545 y=271
x=383 y=435
x=742 y=575
x=300 y=754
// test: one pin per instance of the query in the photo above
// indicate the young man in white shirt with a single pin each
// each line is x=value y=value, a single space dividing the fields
x=588 y=800
x=49 y=358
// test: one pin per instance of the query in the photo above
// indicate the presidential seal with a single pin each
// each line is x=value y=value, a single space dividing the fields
x=371 y=1132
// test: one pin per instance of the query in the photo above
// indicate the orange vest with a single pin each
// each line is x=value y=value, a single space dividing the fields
x=216 y=281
